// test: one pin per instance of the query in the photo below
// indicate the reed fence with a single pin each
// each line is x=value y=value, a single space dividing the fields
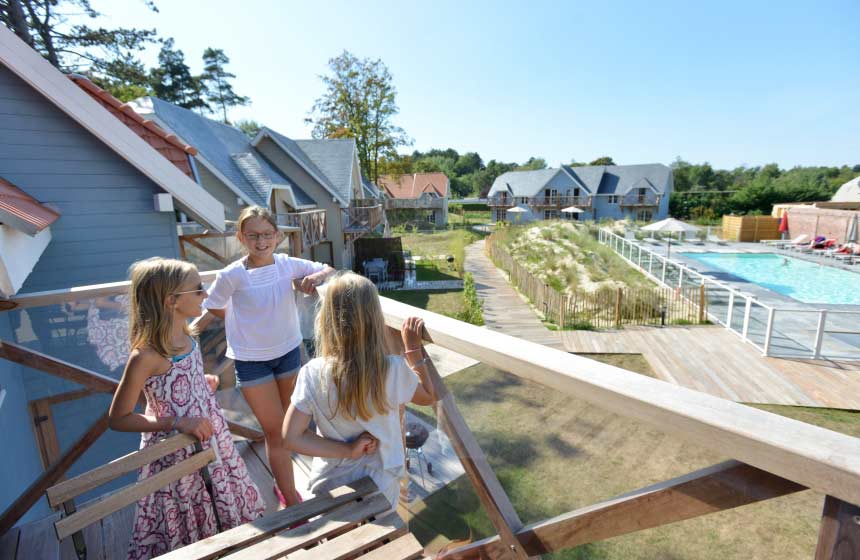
x=607 y=307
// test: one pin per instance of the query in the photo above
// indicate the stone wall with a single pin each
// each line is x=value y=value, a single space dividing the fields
x=820 y=221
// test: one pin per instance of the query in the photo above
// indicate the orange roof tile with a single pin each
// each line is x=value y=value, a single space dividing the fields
x=165 y=143
x=413 y=186
x=30 y=215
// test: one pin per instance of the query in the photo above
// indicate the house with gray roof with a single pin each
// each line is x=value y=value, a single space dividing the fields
x=312 y=185
x=636 y=192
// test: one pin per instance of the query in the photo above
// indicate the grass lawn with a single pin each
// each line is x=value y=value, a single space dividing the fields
x=441 y=243
x=447 y=302
x=434 y=270
x=554 y=453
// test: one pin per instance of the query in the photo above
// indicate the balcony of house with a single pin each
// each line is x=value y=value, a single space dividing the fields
x=500 y=200
x=362 y=216
x=647 y=199
x=421 y=203
x=311 y=226
x=746 y=456
x=559 y=201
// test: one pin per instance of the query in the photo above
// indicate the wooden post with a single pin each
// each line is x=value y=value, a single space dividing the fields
x=32 y=494
x=701 y=303
x=839 y=535
x=618 y=307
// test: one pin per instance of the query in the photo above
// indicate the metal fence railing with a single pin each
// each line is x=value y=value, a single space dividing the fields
x=776 y=331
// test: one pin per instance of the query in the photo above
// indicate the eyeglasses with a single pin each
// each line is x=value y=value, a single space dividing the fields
x=268 y=236
x=200 y=291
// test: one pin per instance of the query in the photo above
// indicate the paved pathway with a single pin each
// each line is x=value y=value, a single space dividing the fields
x=504 y=310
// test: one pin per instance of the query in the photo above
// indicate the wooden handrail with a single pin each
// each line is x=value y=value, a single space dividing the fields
x=709 y=490
x=47 y=479
x=820 y=459
x=52 y=297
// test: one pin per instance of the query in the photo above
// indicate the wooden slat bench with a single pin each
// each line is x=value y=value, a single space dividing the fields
x=64 y=493
x=353 y=521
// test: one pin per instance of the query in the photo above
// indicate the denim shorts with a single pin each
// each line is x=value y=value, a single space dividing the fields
x=249 y=374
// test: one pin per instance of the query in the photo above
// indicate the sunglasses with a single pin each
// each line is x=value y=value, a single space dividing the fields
x=200 y=291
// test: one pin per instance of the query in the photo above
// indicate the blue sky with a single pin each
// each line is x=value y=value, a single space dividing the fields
x=732 y=83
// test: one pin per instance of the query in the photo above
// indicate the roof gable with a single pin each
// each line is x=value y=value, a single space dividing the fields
x=848 y=192
x=21 y=211
x=93 y=117
x=414 y=185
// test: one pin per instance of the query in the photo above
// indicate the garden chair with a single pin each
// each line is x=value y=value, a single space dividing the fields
x=714 y=239
x=74 y=521
x=347 y=522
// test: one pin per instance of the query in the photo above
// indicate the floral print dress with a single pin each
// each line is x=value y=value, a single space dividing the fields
x=181 y=513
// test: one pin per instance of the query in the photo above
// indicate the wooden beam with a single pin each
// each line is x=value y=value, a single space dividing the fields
x=820 y=459
x=488 y=488
x=246 y=432
x=42 y=362
x=85 y=482
x=131 y=493
x=64 y=397
x=354 y=542
x=51 y=297
x=716 y=488
x=207 y=250
x=47 y=479
x=839 y=536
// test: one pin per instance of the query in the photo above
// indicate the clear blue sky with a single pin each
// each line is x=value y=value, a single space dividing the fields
x=729 y=82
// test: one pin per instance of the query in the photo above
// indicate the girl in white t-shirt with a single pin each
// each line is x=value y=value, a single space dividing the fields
x=353 y=391
x=255 y=297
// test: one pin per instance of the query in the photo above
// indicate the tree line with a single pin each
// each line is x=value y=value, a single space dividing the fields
x=109 y=57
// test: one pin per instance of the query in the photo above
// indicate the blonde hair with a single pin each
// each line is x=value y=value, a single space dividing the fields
x=255 y=212
x=150 y=321
x=351 y=337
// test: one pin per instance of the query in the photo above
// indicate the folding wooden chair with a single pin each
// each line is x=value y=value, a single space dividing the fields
x=74 y=521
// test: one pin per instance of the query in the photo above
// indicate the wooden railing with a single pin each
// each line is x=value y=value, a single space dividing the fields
x=420 y=203
x=311 y=223
x=773 y=455
x=607 y=308
x=361 y=217
x=552 y=201
x=635 y=199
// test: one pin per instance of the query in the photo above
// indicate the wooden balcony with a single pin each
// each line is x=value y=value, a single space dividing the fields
x=362 y=216
x=770 y=455
x=421 y=203
x=312 y=225
x=500 y=201
x=559 y=202
x=648 y=199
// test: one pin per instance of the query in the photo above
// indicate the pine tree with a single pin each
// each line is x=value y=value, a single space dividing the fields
x=216 y=80
x=173 y=82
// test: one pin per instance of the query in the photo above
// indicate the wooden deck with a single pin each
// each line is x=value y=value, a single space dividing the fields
x=707 y=359
x=714 y=361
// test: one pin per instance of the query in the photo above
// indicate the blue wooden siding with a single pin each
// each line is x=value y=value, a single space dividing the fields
x=107 y=222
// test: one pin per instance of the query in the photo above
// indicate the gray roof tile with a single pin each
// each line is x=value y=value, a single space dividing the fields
x=600 y=179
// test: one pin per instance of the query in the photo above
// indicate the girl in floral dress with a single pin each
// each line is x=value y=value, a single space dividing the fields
x=165 y=364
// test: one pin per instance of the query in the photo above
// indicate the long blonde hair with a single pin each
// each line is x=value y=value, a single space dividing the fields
x=150 y=321
x=351 y=337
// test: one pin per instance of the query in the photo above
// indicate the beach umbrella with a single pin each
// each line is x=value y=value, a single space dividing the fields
x=572 y=210
x=783 y=222
x=517 y=210
x=671 y=225
x=851 y=237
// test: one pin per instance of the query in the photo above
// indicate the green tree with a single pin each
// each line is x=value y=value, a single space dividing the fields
x=532 y=163
x=605 y=160
x=249 y=127
x=216 y=81
x=107 y=55
x=359 y=102
x=172 y=80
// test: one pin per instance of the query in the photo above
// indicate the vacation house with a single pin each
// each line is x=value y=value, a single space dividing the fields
x=419 y=195
x=313 y=185
x=86 y=188
x=636 y=192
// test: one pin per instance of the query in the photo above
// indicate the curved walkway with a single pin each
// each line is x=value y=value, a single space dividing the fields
x=706 y=359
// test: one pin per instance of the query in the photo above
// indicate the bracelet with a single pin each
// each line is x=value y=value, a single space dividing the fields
x=173 y=425
x=419 y=349
x=420 y=362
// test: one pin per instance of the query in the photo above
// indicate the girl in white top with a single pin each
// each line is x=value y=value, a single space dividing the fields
x=255 y=297
x=353 y=391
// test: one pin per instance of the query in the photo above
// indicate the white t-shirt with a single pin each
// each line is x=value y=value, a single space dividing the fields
x=260 y=318
x=315 y=394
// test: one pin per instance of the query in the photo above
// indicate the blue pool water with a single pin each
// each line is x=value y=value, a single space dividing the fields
x=804 y=281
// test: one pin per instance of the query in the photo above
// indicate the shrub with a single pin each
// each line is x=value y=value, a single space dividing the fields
x=473 y=308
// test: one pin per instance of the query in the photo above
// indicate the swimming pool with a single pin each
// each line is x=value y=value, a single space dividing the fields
x=802 y=280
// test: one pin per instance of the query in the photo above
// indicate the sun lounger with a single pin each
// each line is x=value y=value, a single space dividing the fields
x=717 y=240
x=694 y=241
x=652 y=241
